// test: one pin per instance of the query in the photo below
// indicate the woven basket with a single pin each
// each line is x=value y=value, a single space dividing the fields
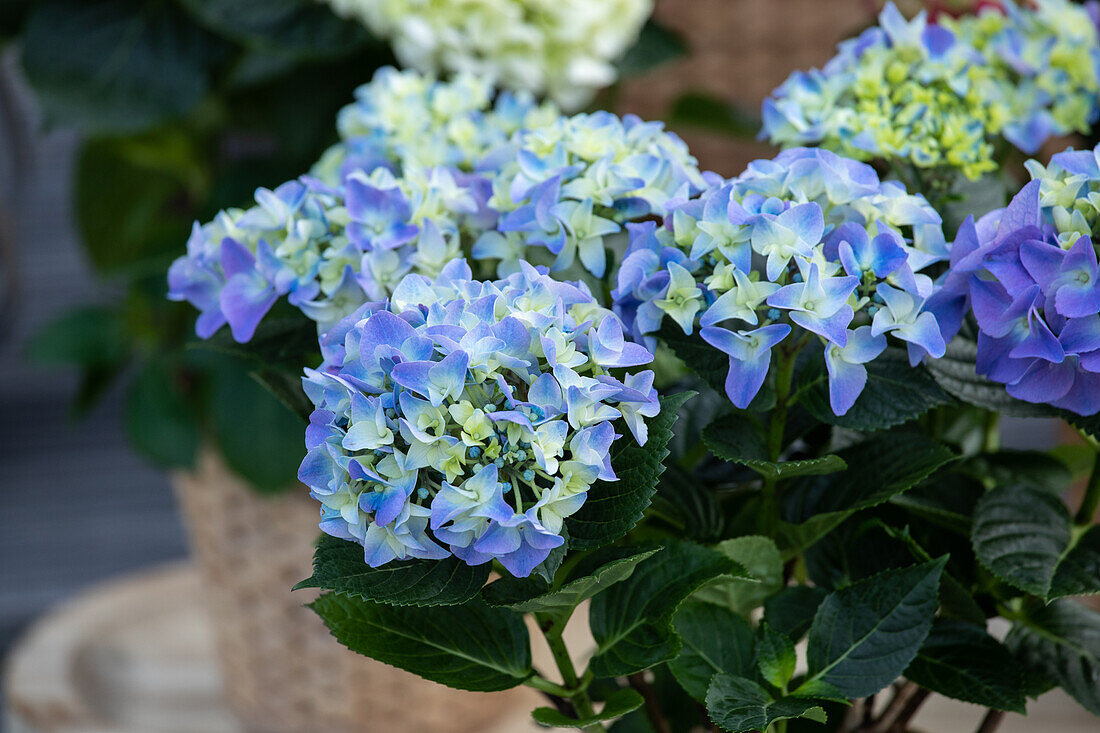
x=284 y=673
x=739 y=51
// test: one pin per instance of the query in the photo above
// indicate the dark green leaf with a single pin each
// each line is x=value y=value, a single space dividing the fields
x=338 y=566
x=90 y=337
x=1033 y=468
x=761 y=558
x=469 y=647
x=738 y=438
x=268 y=458
x=160 y=422
x=895 y=393
x=631 y=620
x=864 y=636
x=128 y=214
x=510 y=592
x=298 y=29
x=115 y=66
x=707 y=362
x=955 y=372
x=690 y=501
x=775 y=656
x=695 y=109
x=618 y=704
x=614 y=507
x=1025 y=537
x=791 y=610
x=946 y=499
x=961 y=661
x=656 y=46
x=1061 y=643
x=715 y=640
x=879 y=469
x=740 y=705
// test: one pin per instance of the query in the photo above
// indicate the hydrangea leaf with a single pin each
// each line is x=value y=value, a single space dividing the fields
x=693 y=502
x=338 y=566
x=895 y=393
x=1025 y=537
x=1061 y=643
x=511 y=592
x=614 y=507
x=469 y=647
x=739 y=439
x=764 y=563
x=955 y=373
x=618 y=704
x=1034 y=468
x=656 y=46
x=739 y=705
x=961 y=661
x=715 y=640
x=160 y=422
x=705 y=361
x=879 y=468
x=631 y=621
x=115 y=67
x=775 y=656
x=791 y=610
x=864 y=635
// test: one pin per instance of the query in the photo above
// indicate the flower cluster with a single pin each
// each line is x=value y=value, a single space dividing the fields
x=806 y=245
x=569 y=185
x=1029 y=275
x=939 y=95
x=403 y=120
x=470 y=418
x=326 y=249
x=563 y=49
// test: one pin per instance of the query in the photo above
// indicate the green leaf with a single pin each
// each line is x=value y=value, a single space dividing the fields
x=715 y=640
x=775 y=656
x=298 y=29
x=955 y=373
x=740 y=705
x=338 y=566
x=1034 y=468
x=469 y=647
x=93 y=336
x=761 y=558
x=116 y=66
x=739 y=439
x=1061 y=643
x=656 y=46
x=1025 y=537
x=865 y=635
x=696 y=109
x=267 y=458
x=705 y=361
x=133 y=221
x=879 y=468
x=946 y=499
x=631 y=620
x=961 y=661
x=618 y=704
x=160 y=422
x=692 y=502
x=614 y=507
x=512 y=592
x=895 y=393
x=791 y=610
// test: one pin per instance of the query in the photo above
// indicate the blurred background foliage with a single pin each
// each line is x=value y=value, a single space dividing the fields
x=185 y=107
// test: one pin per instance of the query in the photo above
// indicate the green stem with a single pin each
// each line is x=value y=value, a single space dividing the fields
x=777 y=425
x=992 y=431
x=576 y=689
x=1091 y=500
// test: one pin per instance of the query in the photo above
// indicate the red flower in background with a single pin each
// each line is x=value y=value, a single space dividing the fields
x=936 y=8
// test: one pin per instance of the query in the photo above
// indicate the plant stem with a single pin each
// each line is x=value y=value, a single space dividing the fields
x=575 y=692
x=777 y=425
x=991 y=721
x=652 y=705
x=992 y=430
x=1091 y=500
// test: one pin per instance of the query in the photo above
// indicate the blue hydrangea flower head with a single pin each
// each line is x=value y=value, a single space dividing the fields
x=808 y=247
x=470 y=418
x=566 y=187
x=1028 y=273
x=939 y=95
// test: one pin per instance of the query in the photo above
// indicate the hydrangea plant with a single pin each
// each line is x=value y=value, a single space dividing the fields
x=817 y=458
x=565 y=50
x=941 y=96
